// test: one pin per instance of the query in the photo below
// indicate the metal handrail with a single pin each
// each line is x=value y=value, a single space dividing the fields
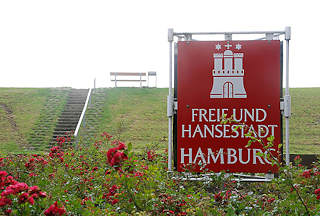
x=82 y=114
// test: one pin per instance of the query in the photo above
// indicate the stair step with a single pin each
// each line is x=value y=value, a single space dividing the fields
x=63 y=129
x=71 y=113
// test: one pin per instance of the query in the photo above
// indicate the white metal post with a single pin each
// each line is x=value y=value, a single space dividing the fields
x=140 y=80
x=170 y=101
x=228 y=37
x=287 y=98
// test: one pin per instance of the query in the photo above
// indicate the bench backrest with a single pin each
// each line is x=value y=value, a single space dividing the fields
x=127 y=74
x=141 y=78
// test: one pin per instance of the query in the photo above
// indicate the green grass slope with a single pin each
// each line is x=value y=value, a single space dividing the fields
x=41 y=134
x=305 y=121
x=21 y=110
x=138 y=115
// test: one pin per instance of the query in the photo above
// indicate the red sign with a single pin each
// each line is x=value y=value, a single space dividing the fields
x=239 y=80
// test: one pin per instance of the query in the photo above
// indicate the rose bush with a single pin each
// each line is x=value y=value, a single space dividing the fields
x=108 y=178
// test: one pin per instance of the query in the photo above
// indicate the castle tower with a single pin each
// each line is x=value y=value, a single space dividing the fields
x=228 y=59
x=228 y=81
x=217 y=61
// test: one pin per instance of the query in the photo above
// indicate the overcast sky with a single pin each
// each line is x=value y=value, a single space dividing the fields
x=68 y=43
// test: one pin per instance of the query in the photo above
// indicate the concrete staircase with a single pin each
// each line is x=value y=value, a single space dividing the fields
x=68 y=120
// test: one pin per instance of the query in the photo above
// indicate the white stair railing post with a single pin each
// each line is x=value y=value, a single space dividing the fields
x=82 y=117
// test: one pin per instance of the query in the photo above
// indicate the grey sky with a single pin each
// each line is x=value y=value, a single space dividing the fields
x=68 y=43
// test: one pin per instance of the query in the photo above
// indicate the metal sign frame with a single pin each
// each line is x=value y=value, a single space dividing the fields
x=285 y=105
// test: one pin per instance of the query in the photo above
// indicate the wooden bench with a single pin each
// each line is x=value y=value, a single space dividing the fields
x=138 y=77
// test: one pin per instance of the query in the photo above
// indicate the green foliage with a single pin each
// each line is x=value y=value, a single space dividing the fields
x=87 y=182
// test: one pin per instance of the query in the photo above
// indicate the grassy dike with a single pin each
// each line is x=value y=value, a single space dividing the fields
x=138 y=115
x=19 y=111
x=28 y=117
x=305 y=121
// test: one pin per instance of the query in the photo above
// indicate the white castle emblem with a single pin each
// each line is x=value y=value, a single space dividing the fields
x=228 y=81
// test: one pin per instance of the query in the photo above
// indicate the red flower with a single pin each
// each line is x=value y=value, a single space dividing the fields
x=124 y=156
x=83 y=202
x=307 y=173
x=7 y=192
x=23 y=197
x=34 y=196
x=32 y=174
x=138 y=174
x=297 y=158
x=54 y=210
x=34 y=189
x=113 y=189
x=20 y=187
x=110 y=154
x=228 y=194
x=42 y=194
x=270 y=200
x=115 y=201
x=121 y=146
x=56 y=152
x=16 y=188
x=31 y=200
x=5 y=201
x=317 y=192
x=151 y=155
x=3 y=173
x=218 y=197
x=114 y=158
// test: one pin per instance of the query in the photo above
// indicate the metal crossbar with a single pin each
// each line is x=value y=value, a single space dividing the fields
x=227 y=33
x=208 y=177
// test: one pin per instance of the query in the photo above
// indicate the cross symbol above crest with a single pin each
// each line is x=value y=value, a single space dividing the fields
x=228 y=45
